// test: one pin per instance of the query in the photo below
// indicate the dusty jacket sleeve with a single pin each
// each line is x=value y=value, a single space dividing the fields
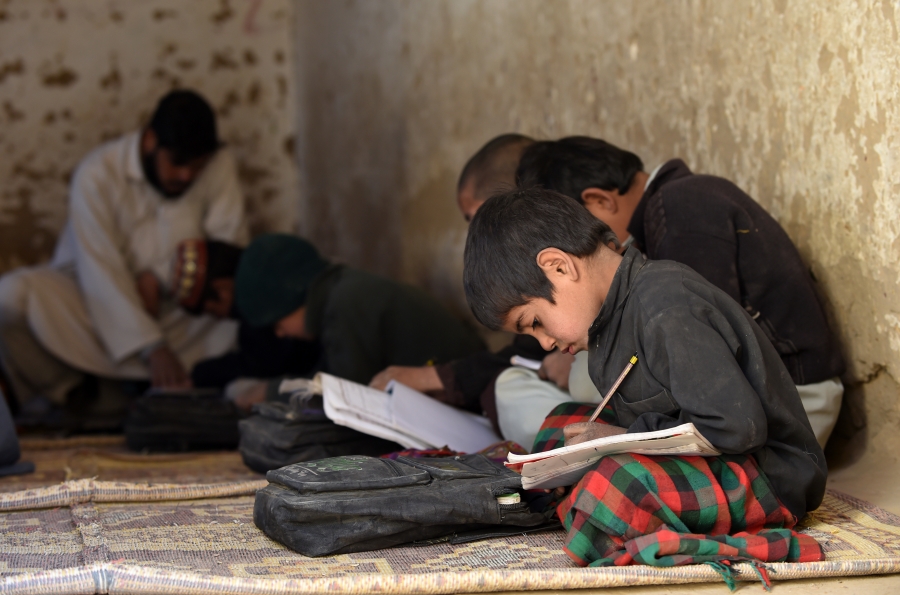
x=107 y=284
x=695 y=352
x=225 y=218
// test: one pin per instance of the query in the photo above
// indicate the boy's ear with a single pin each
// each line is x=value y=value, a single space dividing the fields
x=600 y=200
x=557 y=264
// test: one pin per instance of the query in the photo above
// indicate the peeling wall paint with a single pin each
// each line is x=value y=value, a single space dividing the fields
x=74 y=73
x=792 y=99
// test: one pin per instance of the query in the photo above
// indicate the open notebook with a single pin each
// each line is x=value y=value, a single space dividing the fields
x=565 y=466
x=404 y=415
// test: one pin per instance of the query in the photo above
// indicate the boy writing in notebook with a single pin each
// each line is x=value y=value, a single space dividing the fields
x=538 y=263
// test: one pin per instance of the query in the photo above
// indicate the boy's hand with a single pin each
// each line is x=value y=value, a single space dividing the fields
x=166 y=370
x=250 y=397
x=585 y=431
x=424 y=379
x=556 y=367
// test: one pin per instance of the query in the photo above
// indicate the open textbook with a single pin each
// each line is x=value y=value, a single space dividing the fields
x=404 y=415
x=565 y=466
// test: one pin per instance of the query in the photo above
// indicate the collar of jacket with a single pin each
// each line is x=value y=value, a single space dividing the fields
x=619 y=290
x=672 y=169
x=317 y=298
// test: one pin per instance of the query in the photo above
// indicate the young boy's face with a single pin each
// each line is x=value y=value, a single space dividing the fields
x=579 y=288
x=563 y=325
x=557 y=326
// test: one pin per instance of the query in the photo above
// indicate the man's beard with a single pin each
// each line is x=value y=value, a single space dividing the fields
x=148 y=162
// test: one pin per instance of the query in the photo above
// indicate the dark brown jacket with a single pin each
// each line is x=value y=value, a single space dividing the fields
x=715 y=228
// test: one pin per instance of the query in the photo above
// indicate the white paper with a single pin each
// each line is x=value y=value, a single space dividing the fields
x=524 y=362
x=565 y=466
x=404 y=415
x=439 y=423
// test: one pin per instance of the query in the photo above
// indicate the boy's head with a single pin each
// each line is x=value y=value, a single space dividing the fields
x=272 y=282
x=179 y=142
x=489 y=171
x=607 y=180
x=535 y=263
x=203 y=279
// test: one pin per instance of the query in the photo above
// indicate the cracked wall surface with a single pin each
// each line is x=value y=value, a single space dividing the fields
x=74 y=73
x=792 y=99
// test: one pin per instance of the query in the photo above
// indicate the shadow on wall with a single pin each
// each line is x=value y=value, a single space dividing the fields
x=850 y=437
x=855 y=430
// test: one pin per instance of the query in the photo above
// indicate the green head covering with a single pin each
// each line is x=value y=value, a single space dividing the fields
x=273 y=277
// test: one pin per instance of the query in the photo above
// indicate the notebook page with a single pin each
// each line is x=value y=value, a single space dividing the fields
x=439 y=424
x=683 y=429
x=363 y=401
x=686 y=443
x=569 y=474
x=362 y=408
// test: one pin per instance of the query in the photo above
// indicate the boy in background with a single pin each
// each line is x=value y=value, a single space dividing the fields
x=204 y=284
x=538 y=263
x=364 y=322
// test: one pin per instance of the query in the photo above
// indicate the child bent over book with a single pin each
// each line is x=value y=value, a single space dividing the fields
x=537 y=263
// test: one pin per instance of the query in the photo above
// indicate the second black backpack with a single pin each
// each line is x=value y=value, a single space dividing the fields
x=179 y=422
x=279 y=434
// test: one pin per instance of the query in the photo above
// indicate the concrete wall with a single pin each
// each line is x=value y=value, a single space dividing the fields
x=76 y=72
x=792 y=99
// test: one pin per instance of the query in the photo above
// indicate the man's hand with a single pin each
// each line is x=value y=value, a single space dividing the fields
x=149 y=290
x=166 y=370
x=589 y=430
x=250 y=397
x=555 y=368
x=423 y=378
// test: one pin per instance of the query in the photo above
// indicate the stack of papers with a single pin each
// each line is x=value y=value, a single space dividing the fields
x=565 y=466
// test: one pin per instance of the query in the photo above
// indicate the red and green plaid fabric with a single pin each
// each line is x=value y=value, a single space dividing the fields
x=550 y=435
x=669 y=511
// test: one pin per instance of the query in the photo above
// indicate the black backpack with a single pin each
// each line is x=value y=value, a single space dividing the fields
x=180 y=422
x=9 y=444
x=278 y=434
x=357 y=503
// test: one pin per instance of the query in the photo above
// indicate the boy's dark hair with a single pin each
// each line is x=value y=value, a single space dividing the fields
x=496 y=160
x=575 y=163
x=505 y=237
x=185 y=124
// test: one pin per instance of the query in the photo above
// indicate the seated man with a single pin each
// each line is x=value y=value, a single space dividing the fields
x=204 y=284
x=100 y=307
x=538 y=263
x=364 y=322
x=712 y=226
x=468 y=383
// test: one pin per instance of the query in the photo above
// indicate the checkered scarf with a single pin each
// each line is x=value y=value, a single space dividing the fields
x=670 y=510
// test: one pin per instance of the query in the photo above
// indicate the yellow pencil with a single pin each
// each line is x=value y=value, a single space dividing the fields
x=612 y=391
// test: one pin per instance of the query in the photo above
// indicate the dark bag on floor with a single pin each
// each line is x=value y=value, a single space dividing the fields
x=180 y=422
x=357 y=503
x=278 y=434
x=9 y=444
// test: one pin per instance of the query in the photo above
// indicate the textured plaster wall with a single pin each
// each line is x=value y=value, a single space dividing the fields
x=74 y=73
x=795 y=100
